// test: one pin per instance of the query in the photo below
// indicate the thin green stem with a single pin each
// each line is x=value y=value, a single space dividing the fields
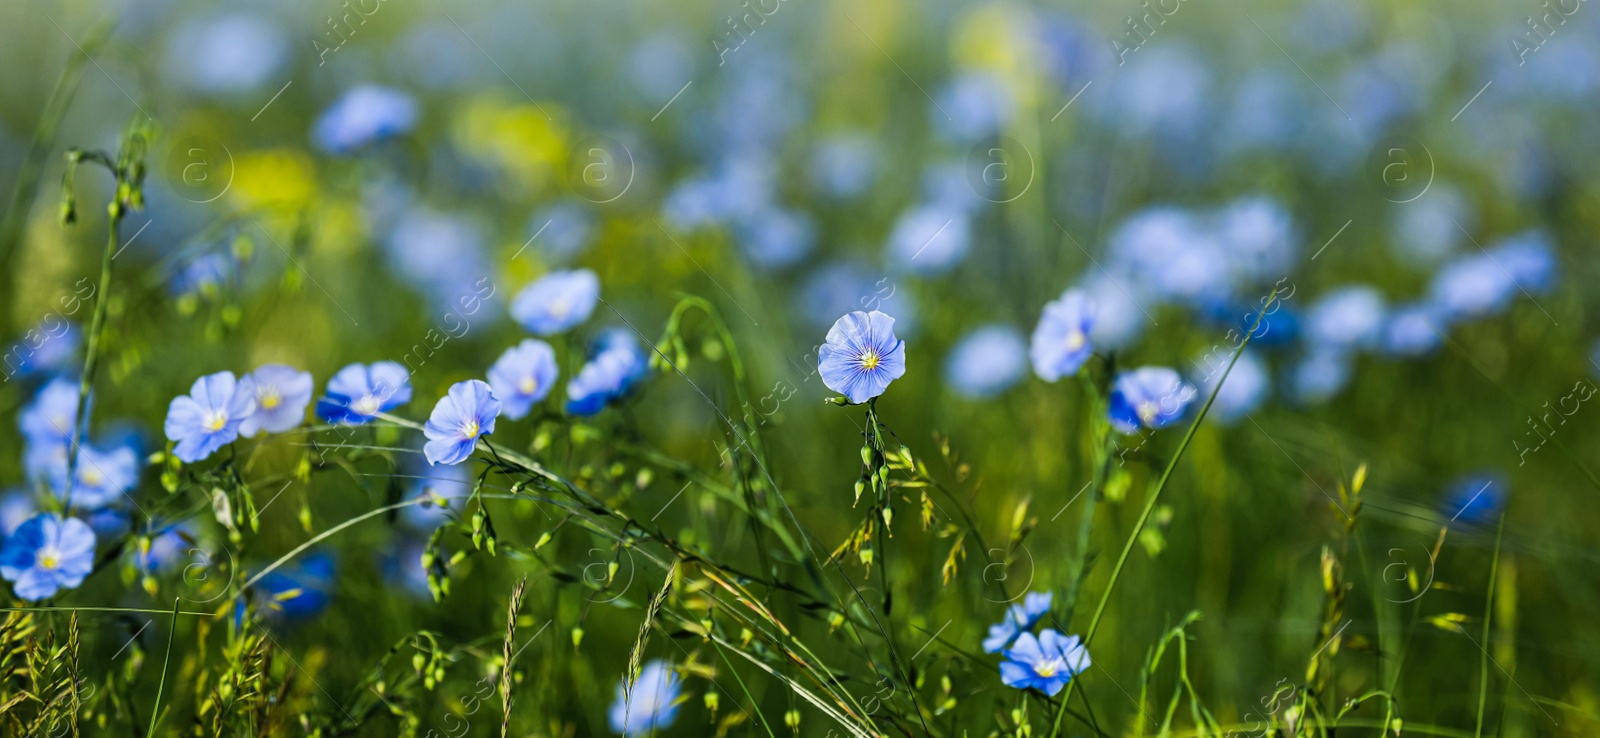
x=1488 y=614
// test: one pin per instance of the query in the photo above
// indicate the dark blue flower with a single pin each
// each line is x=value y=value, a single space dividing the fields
x=208 y=418
x=282 y=394
x=616 y=365
x=47 y=555
x=557 y=302
x=523 y=376
x=1045 y=663
x=297 y=592
x=1061 y=340
x=1150 y=396
x=652 y=704
x=1476 y=499
x=460 y=417
x=360 y=391
x=861 y=356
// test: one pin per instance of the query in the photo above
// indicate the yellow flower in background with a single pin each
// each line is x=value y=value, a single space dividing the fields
x=339 y=228
x=526 y=142
x=995 y=38
x=274 y=177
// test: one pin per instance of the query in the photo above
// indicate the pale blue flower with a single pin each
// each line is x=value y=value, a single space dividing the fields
x=1245 y=388
x=557 y=302
x=1151 y=396
x=282 y=394
x=52 y=415
x=861 y=356
x=615 y=366
x=101 y=478
x=1045 y=663
x=209 y=417
x=1413 y=330
x=225 y=53
x=973 y=106
x=1471 y=286
x=1018 y=618
x=844 y=166
x=1060 y=342
x=930 y=239
x=775 y=238
x=1320 y=375
x=364 y=115
x=987 y=361
x=1427 y=231
x=467 y=412
x=651 y=706
x=563 y=230
x=1171 y=252
x=360 y=391
x=46 y=555
x=443 y=488
x=523 y=376
x=16 y=507
x=1347 y=318
x=1258 y=236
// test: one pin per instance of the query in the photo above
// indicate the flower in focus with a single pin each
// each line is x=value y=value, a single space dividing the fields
x=523 y=375
x=1061 y=340
x=209 y=417
x=460 y=417
x=364 y=115
x=47 y=555
x=52 y=415
x=1045 y=663
x=282 y=394
x=987 y=361
x=614 y=367
x=1244 y=388
x=651 y=705
x=557 y=302
x=861 y=356
x=360 y=391
x=1150 y=396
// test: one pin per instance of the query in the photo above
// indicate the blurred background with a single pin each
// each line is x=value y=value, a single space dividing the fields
x=326 y=182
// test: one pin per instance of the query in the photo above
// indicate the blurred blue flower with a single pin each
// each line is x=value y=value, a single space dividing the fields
x=1173 y=252
x=108 y=523
x=973 y=106
x=1245 y=388
x=403 y=566
x=166 y=550
x=1320 y=375
x=231 y=52
x=297 y=591
x=1045 y=663
x=16 y=507
x=775 y=238
x=360 y=391
x=557 y=302
x=564 y=230
x=46 y=555
x=102 y=476
x=845 y=166
x=1471 y=286
x=209 y=417
x=1347 y=318
x=1426 y=231
x=652 y=704
x=523 y=375
x=442 y=487
x=439 y=253
x=615 y=365
x=365 y=114
x=861 y=355
x=842 y=286
x=929 y=239
x=1413 y=329
x=51 y=352
x=1018 y=618
x=204 y=275
x=1528 y=259
x=1150 y=396
x=986 y=361
x=1060 y=342
x=1119 y=316
x=52 y=415
x=1258 y=236
x=1164 y=89
x=465 y=413
x=660 y=65
x=1476 y=499
x=282 y=394
x=1266 y=111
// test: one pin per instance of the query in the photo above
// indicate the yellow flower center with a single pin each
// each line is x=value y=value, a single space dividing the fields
x=1148 y=412
x=49 y=558
x=269 y=397
x=1075 y=340
x=560 y=306
x=215 y=420
x=528 y=385
x=1049 y=668
x=91 y=477
x=469 y=429
x=870 y=360
x=367 y=405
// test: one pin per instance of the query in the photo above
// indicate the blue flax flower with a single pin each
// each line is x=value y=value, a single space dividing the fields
x=651 y=705
x=1246 y=386
x=987 y=361
x=1476 y=499
x=208 y=418
x=101 y=476
x=52 y=415
x=47 y=555
x=557 y=302
x=1018 y=618
x=282 y=394
x=1045 y=663
x=360 y=391
x=460 y=417
x=861 y=356
x=617 y=364
x=1151 y=396
x=523 y=375
x=366 y=114
x=297 y=592
x=1061 y=340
